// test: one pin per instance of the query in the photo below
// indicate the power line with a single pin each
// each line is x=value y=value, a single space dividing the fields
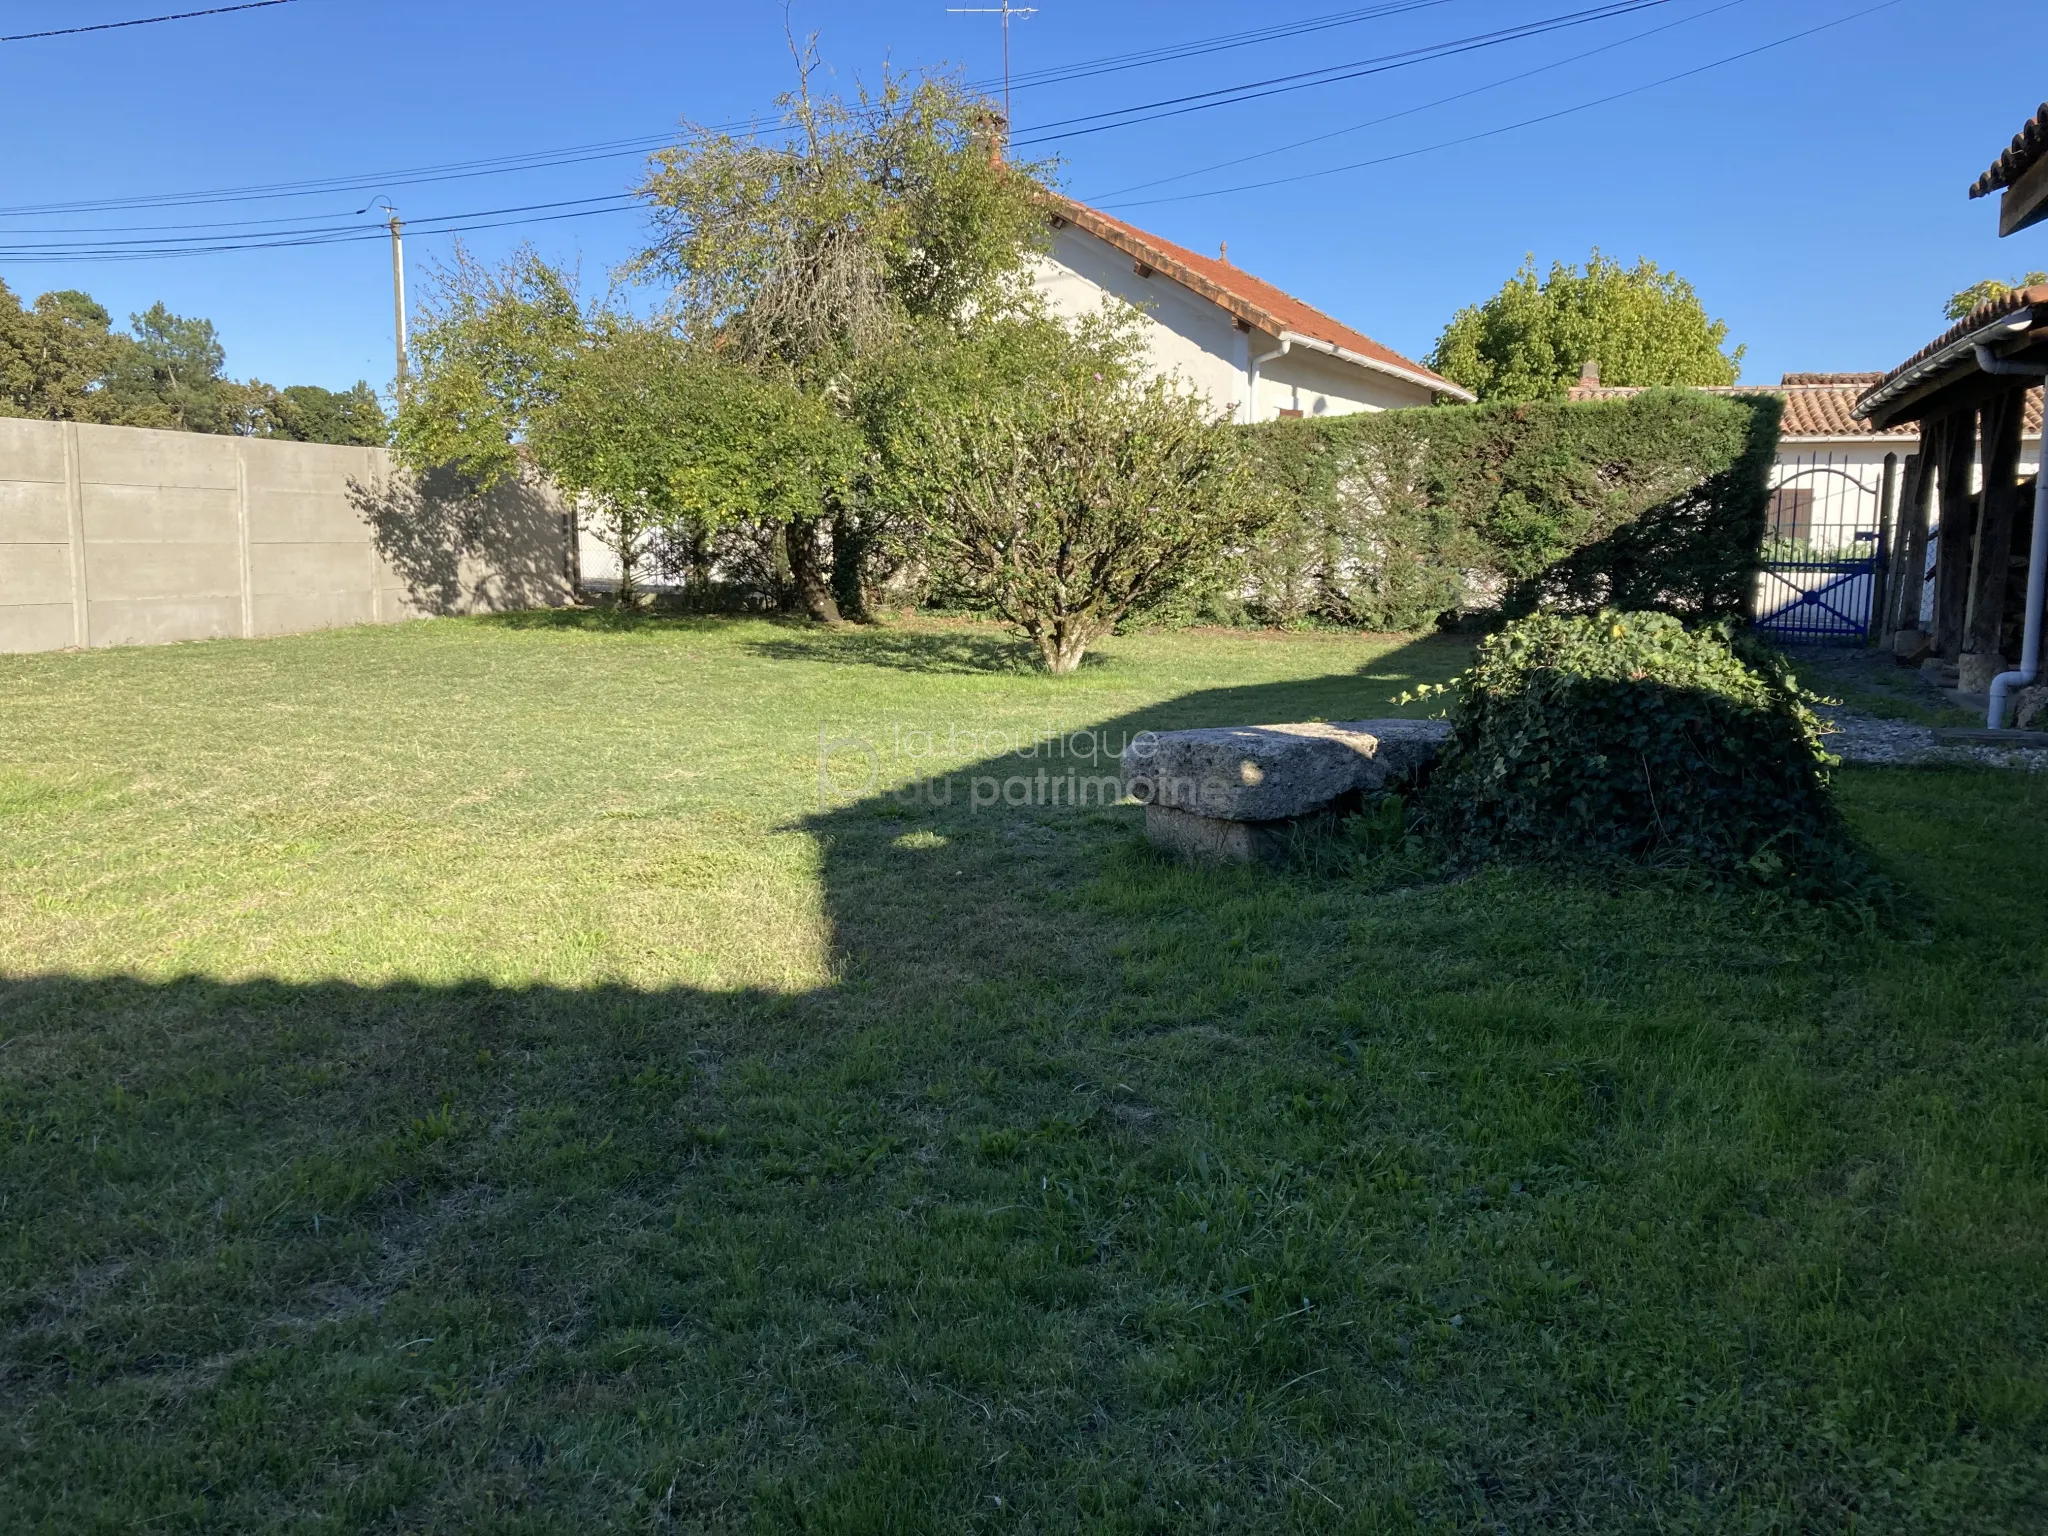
x=1545 y=117
x=247 y=226
x=1441 y=101
x=332 y=234
x=165 y=241
x=247 y=236
x=619 y=148
x=1173 y=52
x=145 y=21
x=372 y=232
x=1256 y=90
x=271 y=191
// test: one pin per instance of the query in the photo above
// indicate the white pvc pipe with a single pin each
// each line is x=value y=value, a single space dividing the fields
x=2037 y=563
x=1251 y=371
x=2037 y=587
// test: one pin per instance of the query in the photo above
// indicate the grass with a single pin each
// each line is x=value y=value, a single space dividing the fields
x=458 y=1077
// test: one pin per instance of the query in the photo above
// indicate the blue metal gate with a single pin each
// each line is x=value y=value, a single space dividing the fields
x=1821 y=555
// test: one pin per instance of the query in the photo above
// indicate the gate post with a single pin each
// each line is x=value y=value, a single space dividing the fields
x=1880 y=572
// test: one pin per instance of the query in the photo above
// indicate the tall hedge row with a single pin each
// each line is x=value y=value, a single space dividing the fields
x=1390 y=520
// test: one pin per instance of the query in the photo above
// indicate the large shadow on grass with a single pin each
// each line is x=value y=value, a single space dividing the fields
x=202 y=1172
x=965 y=652
x=931 y=651
x=1092 y=1184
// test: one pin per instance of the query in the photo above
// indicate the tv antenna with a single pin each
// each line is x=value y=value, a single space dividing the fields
x=1006 y=11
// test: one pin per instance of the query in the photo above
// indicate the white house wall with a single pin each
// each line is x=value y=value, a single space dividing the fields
x=1187 y=335
x=1184 y=333
x=1317 y=384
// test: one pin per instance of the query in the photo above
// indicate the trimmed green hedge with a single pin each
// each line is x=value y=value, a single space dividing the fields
x=1392 y=520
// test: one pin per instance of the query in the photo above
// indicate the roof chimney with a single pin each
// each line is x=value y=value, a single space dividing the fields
x=1223 y=251
x=995 y=129
x=1589 y=373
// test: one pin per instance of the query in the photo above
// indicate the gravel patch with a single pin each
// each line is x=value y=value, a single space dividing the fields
x=1866 y=739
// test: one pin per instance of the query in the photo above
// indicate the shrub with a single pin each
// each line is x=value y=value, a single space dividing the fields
x=1070 y=505
x=1626 y=737
x=1393 y=519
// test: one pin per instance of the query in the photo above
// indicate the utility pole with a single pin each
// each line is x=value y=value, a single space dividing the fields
x=1006 y=11
x=398 y=297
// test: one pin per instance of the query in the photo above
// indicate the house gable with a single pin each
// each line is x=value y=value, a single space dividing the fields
x=1184 y=332
x=1230 y=335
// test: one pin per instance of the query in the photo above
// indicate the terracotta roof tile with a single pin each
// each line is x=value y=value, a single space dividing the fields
x=1822 y=410
x=1816 y=404
x=1984 y=314
x=2028 y=145
x=1248 y=298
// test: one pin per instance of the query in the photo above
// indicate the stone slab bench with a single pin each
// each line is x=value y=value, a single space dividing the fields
x=1243 y=793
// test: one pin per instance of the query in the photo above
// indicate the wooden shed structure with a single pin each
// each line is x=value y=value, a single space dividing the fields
x=2021 y=173
x=1967 y=391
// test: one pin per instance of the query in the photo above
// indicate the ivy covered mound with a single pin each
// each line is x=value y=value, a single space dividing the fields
x=1626 y=737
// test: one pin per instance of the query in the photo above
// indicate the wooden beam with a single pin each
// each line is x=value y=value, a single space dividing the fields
x=2026 y=200
x=1990 y=561
x=1958 y=525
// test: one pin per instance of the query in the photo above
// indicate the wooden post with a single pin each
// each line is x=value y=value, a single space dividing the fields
x=1984 y=621
x=1952 y=550
x=1909 y=561
x=1887 y=503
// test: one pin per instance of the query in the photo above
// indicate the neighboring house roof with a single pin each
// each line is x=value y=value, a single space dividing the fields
x=1953 y=349
x=1252 y=300
x=1816 y=404
x=2028 y=146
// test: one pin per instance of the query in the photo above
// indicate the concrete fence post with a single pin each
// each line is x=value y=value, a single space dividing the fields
x=74 y=506
x=376 y=557
x=242 y=538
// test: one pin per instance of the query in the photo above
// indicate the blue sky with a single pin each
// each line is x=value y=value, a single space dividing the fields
x=1813 y=192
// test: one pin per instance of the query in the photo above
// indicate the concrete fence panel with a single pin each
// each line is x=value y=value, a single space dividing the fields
x=126 y=536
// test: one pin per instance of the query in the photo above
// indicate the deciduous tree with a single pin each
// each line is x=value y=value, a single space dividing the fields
x=490 y=350
x=54 y=356
x=664 y=436
x=61 y=360
x=1641 y=324
x=848 y=232
x=306 y=413
x=1963 y=300
x=810 y=272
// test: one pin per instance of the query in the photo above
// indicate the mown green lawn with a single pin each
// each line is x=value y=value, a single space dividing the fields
x=458 y=1077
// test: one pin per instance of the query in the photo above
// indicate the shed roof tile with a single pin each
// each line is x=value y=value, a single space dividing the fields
x=2028 y=146
x=1976 y=320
